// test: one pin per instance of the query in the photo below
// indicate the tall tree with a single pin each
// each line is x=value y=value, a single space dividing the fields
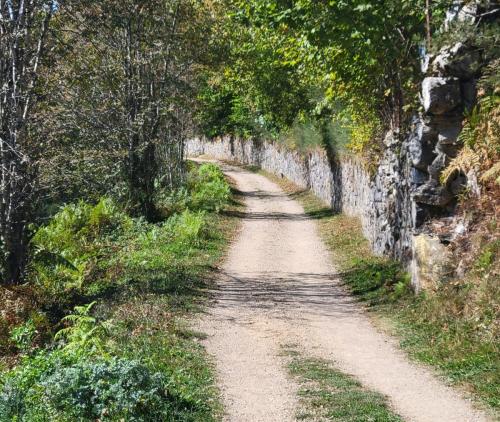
x=130 y=86
x=24 y=28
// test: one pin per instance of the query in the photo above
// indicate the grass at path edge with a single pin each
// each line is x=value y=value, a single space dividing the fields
x=434 y=328
x=327 y=394
x=136 y=338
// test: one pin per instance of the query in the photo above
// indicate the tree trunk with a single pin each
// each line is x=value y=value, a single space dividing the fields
x=23 y=30
x=428 y=23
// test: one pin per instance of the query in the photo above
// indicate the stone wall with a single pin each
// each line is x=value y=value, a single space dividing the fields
x=383 y=202
x=401 y=203
x=343 y=184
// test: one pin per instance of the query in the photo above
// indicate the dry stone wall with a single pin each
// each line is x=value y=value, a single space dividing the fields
x=398 y=203
x=343 y=184
x=383 y=202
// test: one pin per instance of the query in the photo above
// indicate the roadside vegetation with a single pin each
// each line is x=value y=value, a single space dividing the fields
x=326 y=394
x=100 y=333
x=454 y=329
x=106 y=236
x=316 y=67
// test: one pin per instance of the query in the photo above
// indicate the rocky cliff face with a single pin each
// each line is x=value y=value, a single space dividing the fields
x=448 y=91
x=396 y=204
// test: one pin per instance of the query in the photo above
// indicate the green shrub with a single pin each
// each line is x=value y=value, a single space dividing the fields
x=77 y=382
x=206 y=190
x=163 y=252
x=19 y=385
x=187 y=229
x=67 y=249
x=209 y=189
x=80 y=221
x=85 y=334
x=87 y=378
x=174 y=202
x=86 y=249
x=51 y=388
x=23 y=335
x=88 y=374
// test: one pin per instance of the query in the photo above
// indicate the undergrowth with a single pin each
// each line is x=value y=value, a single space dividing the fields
x=454 y=328
x=115 y=291
x=327 y=394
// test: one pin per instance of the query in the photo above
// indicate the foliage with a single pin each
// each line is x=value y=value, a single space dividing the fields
x=23 y=335
x=144 y=111
x=85 y=334
x=66 y=250
x=224 y=112
x=480 y=155
x=86 y=390
x=355 y=62
x=209 y=189
x=86 y=249
x=96 y=99
x=126 y=358
x=206 y=190
x=162 y=252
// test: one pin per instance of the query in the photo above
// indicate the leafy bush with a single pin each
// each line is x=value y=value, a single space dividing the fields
x=87 y=248
x=94 y=369
x=23 y=335
x=158 y=251
x=85 y=334
x=51 y=388
x=186 y=229
x=76 y=381
x=209 y=189
x=80 y=221
x=174 y=202
x=68 y=247
x=18 y=386
x=206 y=190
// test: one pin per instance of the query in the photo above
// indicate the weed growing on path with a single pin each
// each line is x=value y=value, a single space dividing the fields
x=327 y=394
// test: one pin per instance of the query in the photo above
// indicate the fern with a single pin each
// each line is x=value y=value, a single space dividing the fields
x=480 y=135
x=493 y=174
x=85 y=334
x=467 y=160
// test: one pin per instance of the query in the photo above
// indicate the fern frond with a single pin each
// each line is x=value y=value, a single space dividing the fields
x=492 y=174
x=467 y=160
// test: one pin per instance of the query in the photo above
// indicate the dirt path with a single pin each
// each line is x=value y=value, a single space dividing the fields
x=278 y=287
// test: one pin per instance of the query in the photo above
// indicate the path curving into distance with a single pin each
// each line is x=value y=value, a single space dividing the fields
x=277 y=287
